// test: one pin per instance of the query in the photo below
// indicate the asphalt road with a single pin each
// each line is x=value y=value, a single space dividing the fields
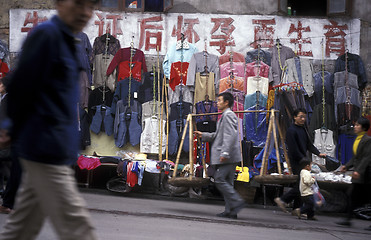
x=119 y=216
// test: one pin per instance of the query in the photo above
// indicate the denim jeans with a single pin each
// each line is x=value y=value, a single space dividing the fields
x=108 y=122
x=175 y=138
x=96 y=123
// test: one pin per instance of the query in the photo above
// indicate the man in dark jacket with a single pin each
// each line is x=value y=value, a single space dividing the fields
x=298 y=144
x=43 y=96
x=360 y=191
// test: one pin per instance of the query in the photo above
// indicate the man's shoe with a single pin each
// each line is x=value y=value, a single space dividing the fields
x=233 y=216
x=368 y=228
x=344 y=223
x=5 y=210
x=235 y=210
x=296 y=212
x=312 y=218
x=280 y=204
x=223 y=214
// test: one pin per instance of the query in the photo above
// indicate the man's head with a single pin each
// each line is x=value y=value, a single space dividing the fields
x=225 y=100
x=75 y=13
x=362 y=125
x=300 y=115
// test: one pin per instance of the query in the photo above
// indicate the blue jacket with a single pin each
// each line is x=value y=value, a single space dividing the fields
x=43 y=96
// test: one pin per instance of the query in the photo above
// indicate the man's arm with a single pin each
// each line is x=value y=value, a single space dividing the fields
x=365 y=160
x=205 y=136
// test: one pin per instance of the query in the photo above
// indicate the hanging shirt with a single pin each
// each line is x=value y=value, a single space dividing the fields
x=300 y=70
x=99 y=46
x=258 y=54
x=324 y=142
x=204 y=85
x=149 y=141
x=254 y=84
x=366 y=100
x=239 y=100
x=253 y=69
x=124 y=55
x=206 y=107
x=100 y=66
x=355 y=65
x=228 y=82
x=329 y=91
x=278 y=62
x=174 y=54
x=197 y=64
x=122 y=92
x=125 y=68
x=84 y=50
x=178 y=74
x=238 y=69
x=150 y=88
x=234 y=57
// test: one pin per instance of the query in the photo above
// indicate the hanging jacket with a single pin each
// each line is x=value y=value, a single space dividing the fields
x=324 y=142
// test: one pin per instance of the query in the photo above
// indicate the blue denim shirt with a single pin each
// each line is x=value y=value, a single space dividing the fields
x=44 y=95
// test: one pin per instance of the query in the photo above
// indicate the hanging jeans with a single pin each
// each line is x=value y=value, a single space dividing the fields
x=102 y=115
x=175 y=137
x=128 y=129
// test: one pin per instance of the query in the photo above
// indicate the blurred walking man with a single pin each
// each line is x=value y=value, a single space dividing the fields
x=43 y=96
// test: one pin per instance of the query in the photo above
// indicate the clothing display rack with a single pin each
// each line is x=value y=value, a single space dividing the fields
x=191 y=180
x=280 y=178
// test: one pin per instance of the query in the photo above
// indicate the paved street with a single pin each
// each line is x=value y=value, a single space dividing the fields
x=131 y=217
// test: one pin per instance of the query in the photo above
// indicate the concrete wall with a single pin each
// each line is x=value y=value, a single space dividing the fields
x=253 y=7
x=9 y=4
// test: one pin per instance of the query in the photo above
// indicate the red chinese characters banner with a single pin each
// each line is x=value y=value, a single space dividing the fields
x=221 y=32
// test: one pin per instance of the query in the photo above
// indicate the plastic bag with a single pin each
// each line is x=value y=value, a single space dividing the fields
x=319 y=200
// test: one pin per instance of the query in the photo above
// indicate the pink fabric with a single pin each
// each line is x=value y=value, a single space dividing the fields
x=237 y=67
x=236 y=57
x=252 y=71
x=131 y=177
x=88 y=162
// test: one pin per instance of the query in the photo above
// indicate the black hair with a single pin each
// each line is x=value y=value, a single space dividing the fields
x=227 y=96
x=299 y=110
x=304 y=162
x=364 y=122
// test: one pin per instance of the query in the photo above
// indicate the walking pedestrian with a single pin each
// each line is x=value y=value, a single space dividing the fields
x=225 y=155
x=43 y=95
x=298 y=143
x=359 y=193
x=306 y=191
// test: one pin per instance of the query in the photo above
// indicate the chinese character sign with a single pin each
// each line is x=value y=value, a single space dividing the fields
x=221 y=32
x=151 y=28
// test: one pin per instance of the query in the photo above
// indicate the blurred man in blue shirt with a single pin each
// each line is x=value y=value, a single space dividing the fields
x=43 y=96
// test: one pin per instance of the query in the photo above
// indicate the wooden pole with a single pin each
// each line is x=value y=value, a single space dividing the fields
x=265 y=154
x=203 y=157
x=276 y=143
x=190 y=144
x=180 y=147
x=217 y=113
x=161 y=124
x=239 y=135
x=167 y=119
x=284 y=147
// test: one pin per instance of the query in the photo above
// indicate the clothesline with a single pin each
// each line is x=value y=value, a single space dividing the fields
x=217 y=113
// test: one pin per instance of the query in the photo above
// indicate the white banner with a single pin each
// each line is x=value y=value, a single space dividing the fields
x=218 y=33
